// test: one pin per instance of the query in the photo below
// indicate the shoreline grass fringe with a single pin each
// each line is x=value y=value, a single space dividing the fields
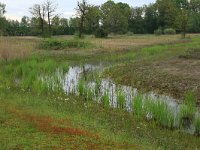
x=137 y=106
x=121 y=99
x=105 y=99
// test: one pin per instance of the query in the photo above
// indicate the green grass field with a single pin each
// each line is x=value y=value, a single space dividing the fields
x=33 y=116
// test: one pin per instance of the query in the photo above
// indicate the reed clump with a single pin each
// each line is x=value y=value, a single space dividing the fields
x=197 y=124
x=40 y=76
x=97 y=85
x=90 y=94
x=158 y=111
x=121 y=99
x=81 y=88
x=187 y=109
x=137 y=106
x=105 y=99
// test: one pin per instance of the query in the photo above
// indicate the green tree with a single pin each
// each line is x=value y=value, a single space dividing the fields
x=182 y=18
x=81 y=12
x=194 y=17
x=136 y=21
x=25 y=25
x=92 y=19
x=60 y=26
x=50 y=9
x=3 y=21
x=151 y=18
x=114 y=17
x=13 y=28
x=35 y=26
x=74 y=24
x=167 y=13
x=39 y=12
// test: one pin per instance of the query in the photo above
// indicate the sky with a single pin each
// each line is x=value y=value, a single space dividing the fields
x=16 y=9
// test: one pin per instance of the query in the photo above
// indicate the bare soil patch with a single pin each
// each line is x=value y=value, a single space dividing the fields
x=173 y=77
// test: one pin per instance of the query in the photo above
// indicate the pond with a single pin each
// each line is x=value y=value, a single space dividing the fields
x=86 y=81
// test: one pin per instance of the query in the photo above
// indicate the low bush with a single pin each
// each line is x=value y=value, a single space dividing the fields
x=158 y=32
x=101 y=33
x=169 y=31
x=129 y=33
x=57 y=44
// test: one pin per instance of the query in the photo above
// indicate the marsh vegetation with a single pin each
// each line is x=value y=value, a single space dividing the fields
x=99 y=91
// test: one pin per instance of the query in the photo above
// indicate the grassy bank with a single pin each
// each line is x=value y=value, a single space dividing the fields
x=69 y=122
x=36 y=115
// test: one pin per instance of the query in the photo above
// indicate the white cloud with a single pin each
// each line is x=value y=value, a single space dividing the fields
x=13 y=17
x=19 y=8
x=68 y=14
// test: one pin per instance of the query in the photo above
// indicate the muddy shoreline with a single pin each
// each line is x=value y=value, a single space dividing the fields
x=173 y=77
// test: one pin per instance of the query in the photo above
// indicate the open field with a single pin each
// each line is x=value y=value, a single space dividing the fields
x=36 y=113
x=122 y=42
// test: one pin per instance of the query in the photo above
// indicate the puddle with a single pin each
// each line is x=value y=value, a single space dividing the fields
x=70 y=82
x=74 y=74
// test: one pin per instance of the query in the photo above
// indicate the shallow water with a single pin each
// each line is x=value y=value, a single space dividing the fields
x=70 y=82
x=74 y=74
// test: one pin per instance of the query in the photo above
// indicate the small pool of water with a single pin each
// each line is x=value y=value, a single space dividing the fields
x=98 y=87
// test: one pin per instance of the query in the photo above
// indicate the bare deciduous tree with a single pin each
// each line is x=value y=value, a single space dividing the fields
x=2 y=9
x=51 y=9
x=39 y=11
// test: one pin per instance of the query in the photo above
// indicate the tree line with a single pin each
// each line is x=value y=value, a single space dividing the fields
x=110 y=17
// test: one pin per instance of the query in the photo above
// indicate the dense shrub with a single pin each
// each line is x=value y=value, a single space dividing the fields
x=101 y=33
x=169 y=31
x=129 y=33
x=57 y=44
x=158 y=32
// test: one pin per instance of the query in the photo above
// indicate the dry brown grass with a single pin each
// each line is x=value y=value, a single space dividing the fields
x=16 y=47
x=130 y=42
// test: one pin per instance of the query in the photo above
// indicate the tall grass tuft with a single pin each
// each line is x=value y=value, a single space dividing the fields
x=187 y=109
x=81 y=88
x=160 y=113
x=120 y=99
x=97 y=85
x=190 y=99
x=90 y=94
x=34 y=75
x=137 y=106
x=197 y=124
x=105 y=99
